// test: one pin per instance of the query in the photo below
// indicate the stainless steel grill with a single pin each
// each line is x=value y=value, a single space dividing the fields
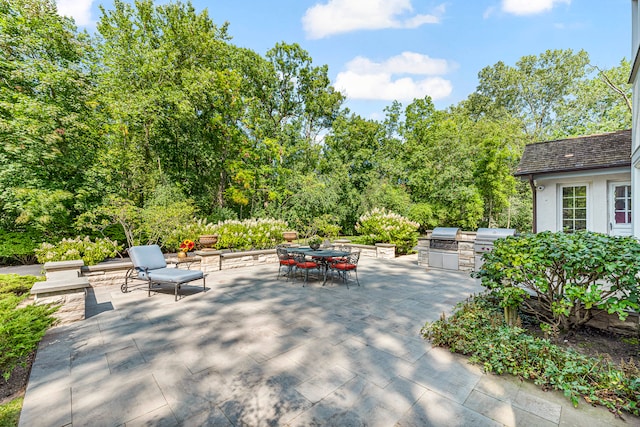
x=485 y=238
x=443 y=248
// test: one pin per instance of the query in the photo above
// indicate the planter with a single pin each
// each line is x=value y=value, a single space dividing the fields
x=314 y=246
x=182 y=254
x=290 y=236
x=208 y=240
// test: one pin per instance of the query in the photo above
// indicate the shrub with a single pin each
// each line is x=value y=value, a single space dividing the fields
x=79 y=248
x=249 y=234
x=21 y=329
x=326 y=225
x=19 y=246
x=572 y=275
x=477 y=329
x=381 y=226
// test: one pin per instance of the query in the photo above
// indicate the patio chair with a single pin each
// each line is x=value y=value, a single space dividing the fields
x=302 y=263
x=150 y=266
x=286 y=261
x=344 y=267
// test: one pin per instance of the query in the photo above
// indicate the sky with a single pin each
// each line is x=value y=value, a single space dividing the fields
x=378 y=51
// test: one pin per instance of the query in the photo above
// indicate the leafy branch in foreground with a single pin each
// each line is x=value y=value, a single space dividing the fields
x=477 y=328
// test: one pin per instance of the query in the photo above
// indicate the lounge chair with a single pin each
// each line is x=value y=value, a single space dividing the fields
x=150 y=266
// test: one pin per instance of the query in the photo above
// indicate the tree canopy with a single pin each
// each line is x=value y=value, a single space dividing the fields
x=159 y=106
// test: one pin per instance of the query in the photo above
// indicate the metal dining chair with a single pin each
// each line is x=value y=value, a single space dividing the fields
x=305 y=265
x=286 y=261
x=344 y=267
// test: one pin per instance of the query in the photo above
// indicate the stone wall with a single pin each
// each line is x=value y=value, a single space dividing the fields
x=72 y=305
x=466 y=255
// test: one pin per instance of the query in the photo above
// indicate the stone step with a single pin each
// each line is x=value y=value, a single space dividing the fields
x=49 y=286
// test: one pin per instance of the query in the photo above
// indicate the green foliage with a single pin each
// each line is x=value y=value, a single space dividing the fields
x=91 y=252
x=10 y=412
x=571 y=275
x=314 y=240
x=423 y=214
x=161 y=104
x=477 y=329
x=21 y=329
x=161 y=221
x=249 y=234
x=381 y=226
x=18 y=246
x=16 y=284
x=326 y=225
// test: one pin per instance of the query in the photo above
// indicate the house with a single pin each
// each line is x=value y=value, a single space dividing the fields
x=635 y=138
x=581 y=183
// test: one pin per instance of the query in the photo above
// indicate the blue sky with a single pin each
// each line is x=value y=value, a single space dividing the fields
x=381 y=50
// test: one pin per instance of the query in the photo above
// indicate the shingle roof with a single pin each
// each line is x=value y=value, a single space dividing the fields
x=605 y=150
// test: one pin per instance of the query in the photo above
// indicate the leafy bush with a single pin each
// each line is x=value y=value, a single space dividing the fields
x=19 y=246
x=249 y=234
x=477 y=329
x=326 y=225
x=79 y=248
x=572 y=275
x=381 y=226
x=21 y=329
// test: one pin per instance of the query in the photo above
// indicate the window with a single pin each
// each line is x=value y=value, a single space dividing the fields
x=622 y=204
x=574 y=208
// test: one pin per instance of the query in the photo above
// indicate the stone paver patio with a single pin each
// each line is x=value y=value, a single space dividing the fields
x=255 y=350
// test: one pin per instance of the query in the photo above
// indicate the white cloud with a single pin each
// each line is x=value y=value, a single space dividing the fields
x=341 y=16
x=388 y=80
x=530 y=7
x=79 y=10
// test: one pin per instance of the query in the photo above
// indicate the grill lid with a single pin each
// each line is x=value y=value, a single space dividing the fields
x=491 y=234
x=445 y=233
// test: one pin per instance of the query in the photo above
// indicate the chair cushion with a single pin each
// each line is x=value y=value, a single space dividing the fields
x=289 y=261
x=307 y=264
x=149 y=256
x=344 y=266
x=173 y=275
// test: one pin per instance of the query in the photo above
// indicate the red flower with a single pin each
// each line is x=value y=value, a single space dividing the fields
x=187 y=245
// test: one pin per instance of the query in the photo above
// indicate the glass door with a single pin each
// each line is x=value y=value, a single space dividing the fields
x=620 y=209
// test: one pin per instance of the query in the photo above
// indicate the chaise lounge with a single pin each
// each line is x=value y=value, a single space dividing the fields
x=150 y=266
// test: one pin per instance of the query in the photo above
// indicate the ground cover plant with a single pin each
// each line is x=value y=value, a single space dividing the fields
x=21 y=329
x=478 y=329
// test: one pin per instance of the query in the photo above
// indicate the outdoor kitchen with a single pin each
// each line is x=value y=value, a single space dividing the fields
x=449 y=248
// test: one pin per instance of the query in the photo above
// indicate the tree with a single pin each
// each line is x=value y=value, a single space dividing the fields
x=535 y=90
x=47 y=134
x=600 y=104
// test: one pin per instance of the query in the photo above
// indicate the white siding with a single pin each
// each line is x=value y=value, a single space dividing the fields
x=548 y=200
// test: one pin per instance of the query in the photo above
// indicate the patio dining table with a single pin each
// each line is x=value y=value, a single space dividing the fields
x=322 y=255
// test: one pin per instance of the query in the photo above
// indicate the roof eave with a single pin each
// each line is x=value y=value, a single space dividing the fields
x=576 y=169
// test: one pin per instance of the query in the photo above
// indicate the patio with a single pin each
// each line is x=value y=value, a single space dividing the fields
x=256 y=350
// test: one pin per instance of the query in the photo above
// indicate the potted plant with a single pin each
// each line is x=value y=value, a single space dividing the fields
x=185 y=247
x=314 y=242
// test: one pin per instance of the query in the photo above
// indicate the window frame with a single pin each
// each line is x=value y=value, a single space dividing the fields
x=574 y=208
